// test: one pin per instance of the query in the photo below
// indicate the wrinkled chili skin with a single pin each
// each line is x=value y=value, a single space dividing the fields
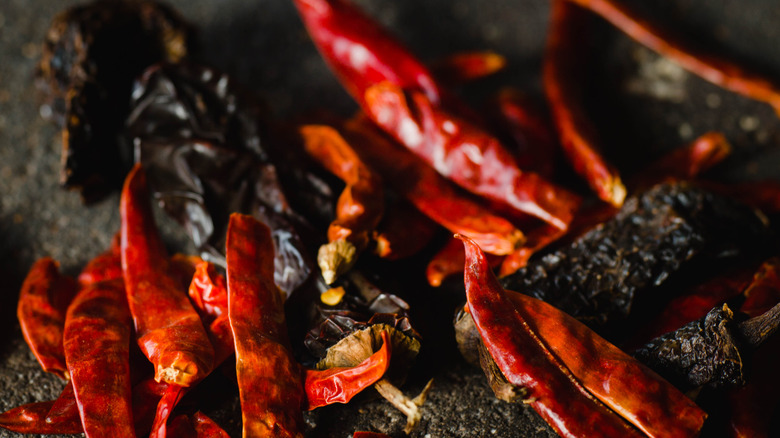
x=168 y=329
x=597 y=277
x=339 y=385
x=429 y=192
x=91 y=55
x=525 y=360
x=711 y=65
x=43 y=302
x=207 y=160
x=97 y=350
x=269 y=379
x=36 y=417
x=563 y=85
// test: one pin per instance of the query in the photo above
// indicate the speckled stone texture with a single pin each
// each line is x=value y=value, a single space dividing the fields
x=642 y=105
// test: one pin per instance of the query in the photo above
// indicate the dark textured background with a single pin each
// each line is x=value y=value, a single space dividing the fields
x=642 y=104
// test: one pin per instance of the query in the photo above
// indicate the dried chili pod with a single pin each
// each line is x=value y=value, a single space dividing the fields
x=653 y=236
x=205 y=427
x=168 y=329
x=369 y=435
x=269 y=380
x=34 y=417
x=340 y=384
x=200 y=138
x=449 y=261
x=467 y=66
x=430 y=193
x=526 y=362
x=711 y=66
x=403 y=231
x=97 y=351
x=105 y=266
x=764 y=291
x=563 y=86
x=359 y=208
x=457 y=148
x=208 y=292
x=710 y=350
x=91 y=56
x=168 y=401
x=43 y=302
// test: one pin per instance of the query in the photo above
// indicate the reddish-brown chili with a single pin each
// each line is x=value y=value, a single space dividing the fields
x=467 y=66
x=168 y=329
x=563 y=85
x=526 y=361
x=269 y=379
x=43 y=301
x=403 y=231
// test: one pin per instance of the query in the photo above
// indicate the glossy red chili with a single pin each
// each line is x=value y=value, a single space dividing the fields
x=269 y=380
x=36 y=417
x=168 y=329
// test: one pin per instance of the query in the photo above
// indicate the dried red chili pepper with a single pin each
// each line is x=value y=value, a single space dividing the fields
x=369 y=435
x=426 y=190
x=43 y=301
x=339 y=385
x=269 y=381
x=535 y=241
x=710 y=66
x=685 y=163
x=458 y=149
x=529 y=125
x=208 y=292
x=97 y=350
x=525 y=360
x=764 y=291
x=449 y=261
x=168 y=329
x=168 y=401
x=205 y=427
x=35 y=417
x=467 y=66
x=403 y=231
x=105 y=266
x=563 y=87
x=359 y=207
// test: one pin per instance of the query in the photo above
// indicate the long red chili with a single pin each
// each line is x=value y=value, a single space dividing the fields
x=269 y=380
x=105 y=266
x=97 y=350
x=710 y=66
x=563 y=86
x=35 y=417
x=457 y=148
x=360 y=205
x=208 y=292
x=168 y=329
x=339 y=385
x=43 y=301
x=426 y=190
x=527 y=362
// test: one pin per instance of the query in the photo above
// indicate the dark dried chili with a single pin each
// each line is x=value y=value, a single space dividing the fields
x=168 y=329
x=403 y=231
x=97 y=350
x=563 y=86
x=654 y=235
x=359 y=207
x=269 y=380
x=710 y=66
x=43 y=302
x=543 y=381
x=201 y=139
x=91 y=56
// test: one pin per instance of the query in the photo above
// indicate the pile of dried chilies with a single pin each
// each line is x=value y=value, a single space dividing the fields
x=601 y=336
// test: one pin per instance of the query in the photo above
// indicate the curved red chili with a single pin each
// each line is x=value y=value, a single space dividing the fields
x=168 y=329
x=526 y=361
x=35 y=417
x=43 y=301
x=269 y=379
x=339 y=385
x=97 y=350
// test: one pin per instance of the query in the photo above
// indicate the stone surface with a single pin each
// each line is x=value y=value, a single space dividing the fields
x=264 y=45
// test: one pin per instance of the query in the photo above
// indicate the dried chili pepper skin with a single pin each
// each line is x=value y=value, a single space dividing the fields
x=403 y=231
x=339 y=385
x=711 y=66
x=43 y=302
x=91 y=55
x=207 y=160
x=205 y=427
x=168 y=329
x=97 y=350
x=269 y=379
x=467 y=66
x=429 y=192
x=563 y=88
x=525 y=360
x=35 y=417
x=597 y=277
